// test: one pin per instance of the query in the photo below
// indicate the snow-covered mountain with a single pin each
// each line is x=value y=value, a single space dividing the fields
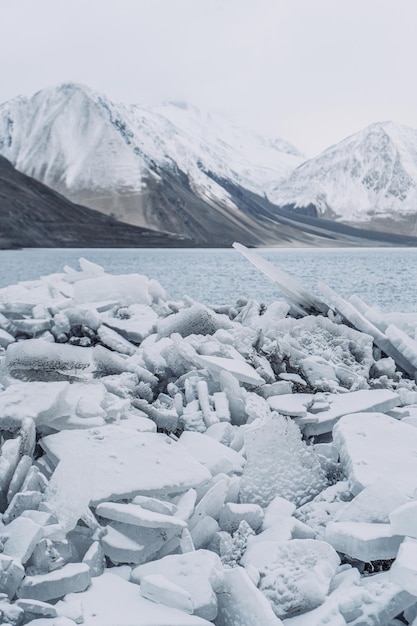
x=368 y=179
x=170 y=167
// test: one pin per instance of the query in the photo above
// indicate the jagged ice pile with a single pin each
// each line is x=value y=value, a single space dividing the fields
x=171 y=464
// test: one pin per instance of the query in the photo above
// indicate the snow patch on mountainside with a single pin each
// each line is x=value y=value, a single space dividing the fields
x=74 y=139
x=368 y=175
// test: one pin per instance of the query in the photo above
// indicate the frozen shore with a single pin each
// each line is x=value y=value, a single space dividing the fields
x=167 y=463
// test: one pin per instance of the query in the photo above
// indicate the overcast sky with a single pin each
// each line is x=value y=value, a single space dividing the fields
x=311 y=71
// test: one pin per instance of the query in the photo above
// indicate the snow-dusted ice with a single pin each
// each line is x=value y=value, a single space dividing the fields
x=169 y=463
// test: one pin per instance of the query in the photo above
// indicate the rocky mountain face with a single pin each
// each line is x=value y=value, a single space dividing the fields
x=158 y=168
x=32 y=215
x=174 y=169
x=368 y=180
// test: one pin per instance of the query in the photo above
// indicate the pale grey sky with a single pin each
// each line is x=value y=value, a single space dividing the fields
x=311 y=71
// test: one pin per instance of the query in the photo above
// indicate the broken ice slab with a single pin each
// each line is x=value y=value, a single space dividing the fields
x=404 y=569
x=11 y=575
x=364 y=541
x=68 y=493
x=292 y=404
x=233 y=513
x=125 y=288
x=20 y=537
x=162 y=591
x=134 y=322
x=200 y=573
x=134 y=514
x=239 y=368
x=242 y=604
x=72 y=577
x=40 y=401
x=5 y=338
x=349 y=403
x=373 y=504
x=384 y=600
x=130 y=609
x=404 y=519
x=359 y=321
x=215 y=456
x=113 y=340
x=125 y=463
x=373 y=446
x=302 y=301
x=43 y=360
x=128 y=543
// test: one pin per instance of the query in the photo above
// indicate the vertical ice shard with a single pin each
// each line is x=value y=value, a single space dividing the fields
x=302 y=301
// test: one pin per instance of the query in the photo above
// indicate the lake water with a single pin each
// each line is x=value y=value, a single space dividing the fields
x=383 y=276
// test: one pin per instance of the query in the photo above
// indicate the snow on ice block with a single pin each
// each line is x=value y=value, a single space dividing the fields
x=194 y=320
x=138 y=324
x=125 y=288
x=348 y=403
x=38 y=400
x=138 y=516
x=363 y=540
x=73 y=577
x=215 y=456
x=39 y=355
x=239 y=368
x=11 y=574
x=232 y=514
x=20 y=537
x=124 y=463
x=373 y=446
x=295 y=574
x=279 y=464
x=161 y=590
x=211 y=503
x=327 y=614
x=276 y=510
x=404 y=519
x=127 y=543
x=110 y=600
x=292 y=404
x=199 y=573
x=403 y=571
x=242 y=604
x=383 y=600
x=373 y=504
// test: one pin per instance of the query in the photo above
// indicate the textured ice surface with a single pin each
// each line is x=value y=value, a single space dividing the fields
x=295 y=574
x=279 y=464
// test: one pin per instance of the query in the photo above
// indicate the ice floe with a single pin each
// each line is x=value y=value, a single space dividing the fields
x=170 y=463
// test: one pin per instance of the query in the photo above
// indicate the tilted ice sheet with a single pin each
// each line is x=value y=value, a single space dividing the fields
x=125 y=462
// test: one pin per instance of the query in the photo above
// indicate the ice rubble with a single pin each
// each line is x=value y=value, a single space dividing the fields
x=165 y=462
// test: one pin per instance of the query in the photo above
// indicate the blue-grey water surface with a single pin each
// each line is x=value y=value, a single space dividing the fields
x=381 y=276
